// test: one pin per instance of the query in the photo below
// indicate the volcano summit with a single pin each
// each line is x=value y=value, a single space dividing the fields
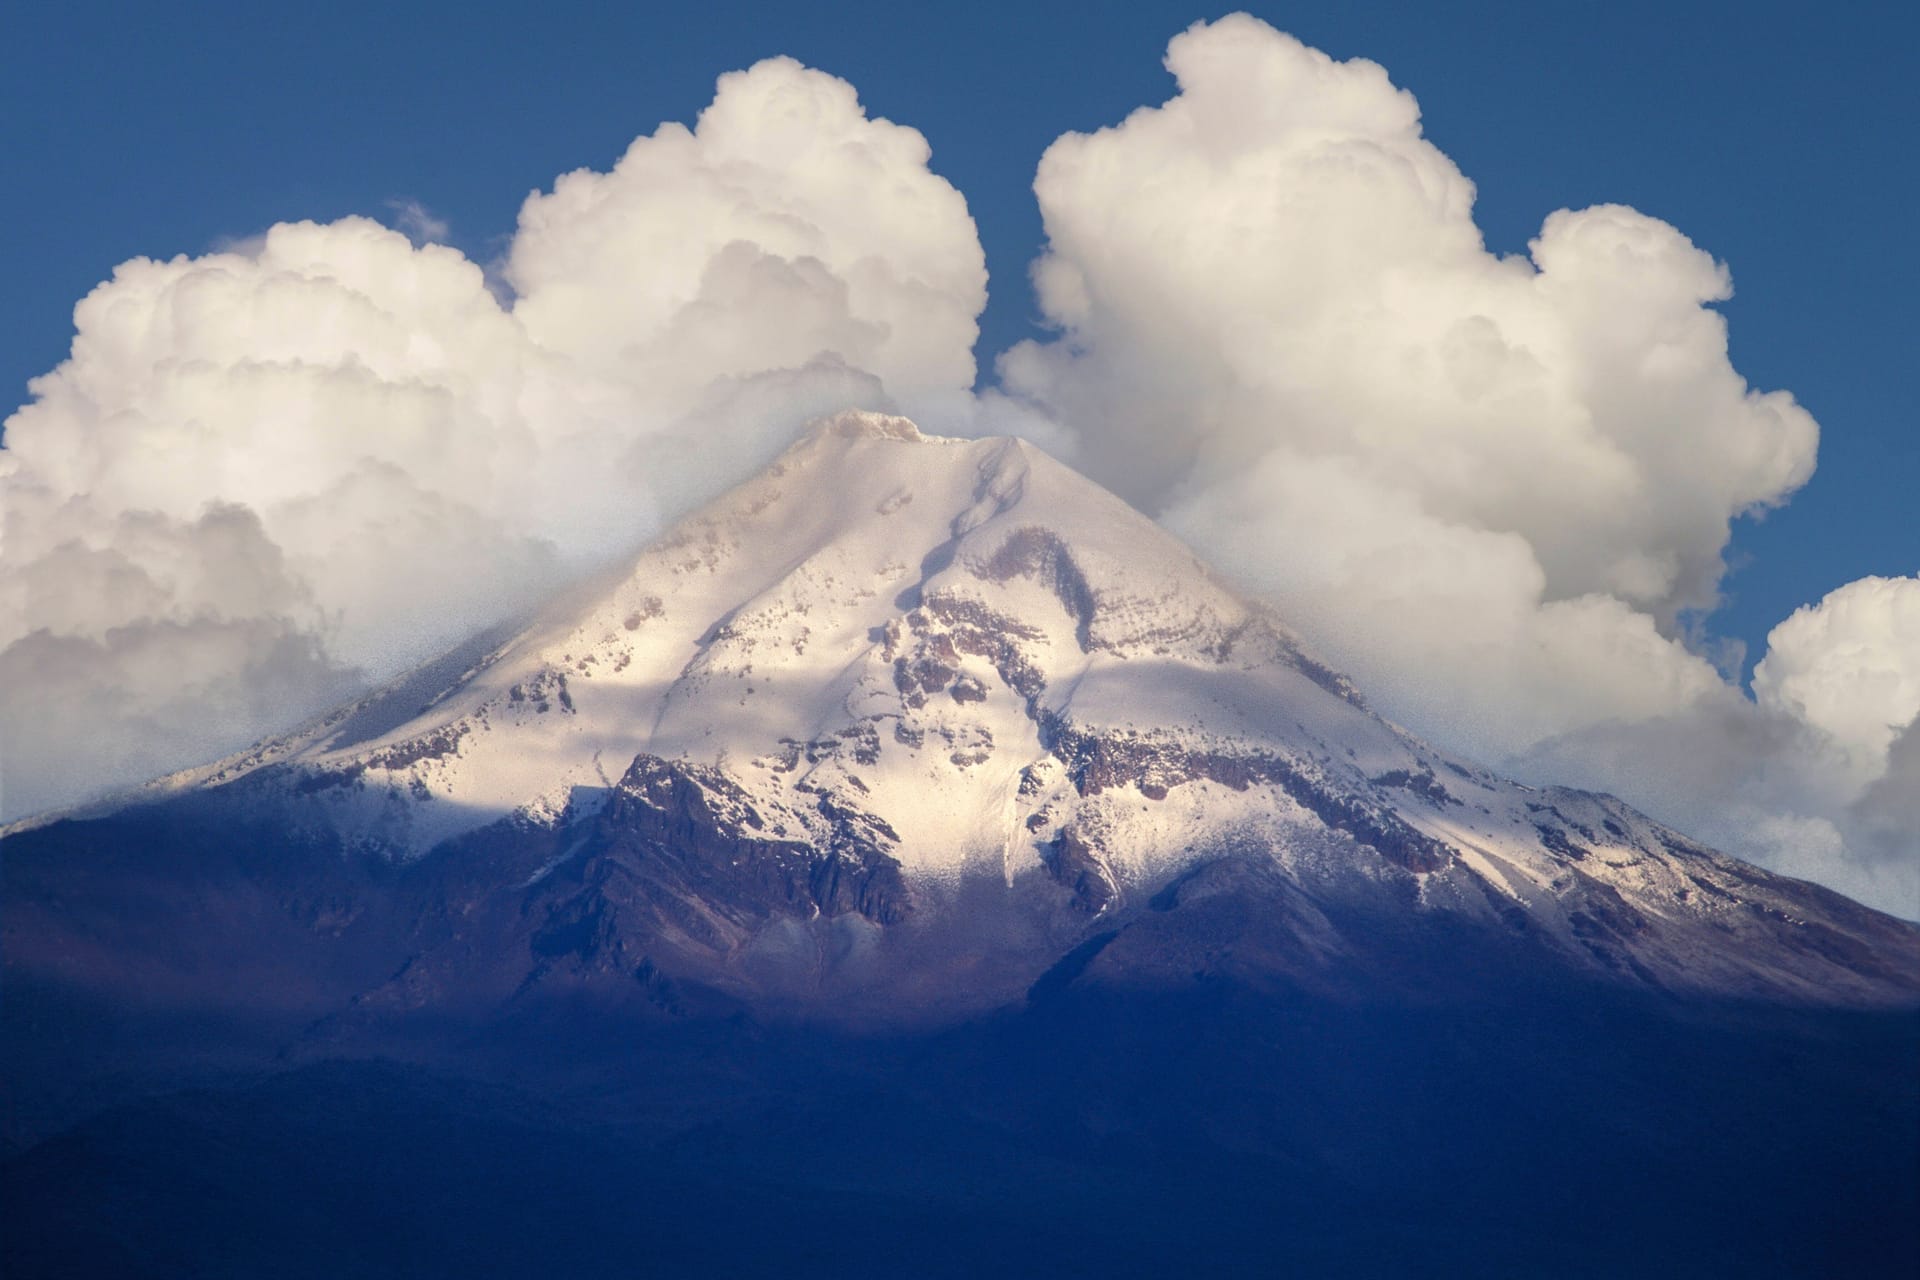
x=918 y=839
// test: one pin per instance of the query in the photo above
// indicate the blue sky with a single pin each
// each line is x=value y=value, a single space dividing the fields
x=1780 y=138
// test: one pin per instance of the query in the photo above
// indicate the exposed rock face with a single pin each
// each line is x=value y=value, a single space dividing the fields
x=1154 y=768
x=720 y=848
x=1040 y=554
x=1075 y=863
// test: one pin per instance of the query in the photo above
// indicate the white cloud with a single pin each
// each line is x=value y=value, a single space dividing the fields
x=1850 y=667
x=330 y=451
x=1496 y=489
x=1277 y=265
x=785 y=196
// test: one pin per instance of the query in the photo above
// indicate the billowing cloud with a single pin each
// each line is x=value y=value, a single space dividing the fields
x=266 y=474
x=787 y=197
x=1850 y=667
x=1274 y=302
x=1496 y=489
x=1818 y=775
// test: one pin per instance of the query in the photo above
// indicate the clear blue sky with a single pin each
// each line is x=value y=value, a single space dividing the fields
x=1781 y=138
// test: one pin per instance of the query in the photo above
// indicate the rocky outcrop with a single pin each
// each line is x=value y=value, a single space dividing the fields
x=1073 y=861
x=1156 y=764
x=1040 y=554
x=708 y=830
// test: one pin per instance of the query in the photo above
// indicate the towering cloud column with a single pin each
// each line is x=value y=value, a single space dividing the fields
x=1496 y=489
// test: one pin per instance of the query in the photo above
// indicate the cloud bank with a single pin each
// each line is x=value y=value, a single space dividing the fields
x=268 y=475
x=1497 y=489
x=1279 y=321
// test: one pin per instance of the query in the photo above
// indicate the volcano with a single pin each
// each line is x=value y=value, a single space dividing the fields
x=919 y=844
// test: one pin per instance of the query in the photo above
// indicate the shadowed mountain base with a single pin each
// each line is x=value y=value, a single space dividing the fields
x=1096 y=1132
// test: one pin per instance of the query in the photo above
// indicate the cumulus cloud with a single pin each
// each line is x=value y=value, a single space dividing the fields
x=1850 y=667
x=1272 y=287
x=785 y=196
x=266 y=475
x=1497 y=489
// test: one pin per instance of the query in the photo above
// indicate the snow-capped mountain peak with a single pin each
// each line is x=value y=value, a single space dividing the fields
x=895 y=668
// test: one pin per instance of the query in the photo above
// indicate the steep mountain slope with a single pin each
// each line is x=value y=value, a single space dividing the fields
x=918 y=835
x=891 y=667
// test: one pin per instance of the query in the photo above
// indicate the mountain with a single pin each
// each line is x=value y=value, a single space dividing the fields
x=918 y=793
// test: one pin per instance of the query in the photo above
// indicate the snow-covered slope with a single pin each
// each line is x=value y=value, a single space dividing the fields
x=945 y=663
x=887 y=614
